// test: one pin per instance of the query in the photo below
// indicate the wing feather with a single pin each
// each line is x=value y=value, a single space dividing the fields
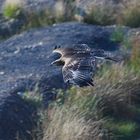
x=80 y=63
x=80 y=72
x=78 y=48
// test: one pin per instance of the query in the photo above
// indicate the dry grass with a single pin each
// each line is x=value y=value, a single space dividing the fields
x=109 y=110
x=14 y=2
x=118 y=90
x=130 y=14
x=100 y=13
x=124 y=13
x=65 y=124
x=12 y=9
x=135 y=57
x=61 y=12
x=82 y=116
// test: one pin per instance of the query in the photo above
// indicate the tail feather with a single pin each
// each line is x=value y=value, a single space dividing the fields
x=112 y=59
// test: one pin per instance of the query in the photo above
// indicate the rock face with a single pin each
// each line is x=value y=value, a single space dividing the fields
x=10 y=27
x=83 y=4
x=25 y=63
x=25 y=58
x=16 y=118
x=80 y=10
x=34 y=4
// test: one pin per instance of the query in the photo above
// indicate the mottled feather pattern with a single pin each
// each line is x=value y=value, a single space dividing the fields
x=80 y=63
x=78 y=72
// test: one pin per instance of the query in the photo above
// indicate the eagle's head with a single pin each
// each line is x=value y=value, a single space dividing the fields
x=57 y=56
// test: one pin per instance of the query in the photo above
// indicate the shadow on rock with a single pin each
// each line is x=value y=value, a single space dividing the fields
x=17 y=118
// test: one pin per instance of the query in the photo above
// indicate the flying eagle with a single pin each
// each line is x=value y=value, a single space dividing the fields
x=79 y=63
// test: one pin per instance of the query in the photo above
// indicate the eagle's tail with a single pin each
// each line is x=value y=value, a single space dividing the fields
x=101 y=54
x=112 y=59
x=107 y=57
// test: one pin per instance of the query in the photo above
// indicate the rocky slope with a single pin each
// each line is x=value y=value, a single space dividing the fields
x=25 y=57
x=77 y=10
x=82 y=4
x=17 y=118
x=25 y=64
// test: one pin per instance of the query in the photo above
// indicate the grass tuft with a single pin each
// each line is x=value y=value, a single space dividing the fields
x=124 y=130
x=67 y=124
x=101 y=15
x=118 y=35
x=85 y=112
x=126 y=13
x=12 y=9
x=131 y=14
x=135 y=56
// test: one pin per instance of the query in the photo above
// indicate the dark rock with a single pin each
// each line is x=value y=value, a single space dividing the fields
x=80 y=5
x=25 y=63
x=10 y=27
x=25 y=58
x=35 y=5
x=79 y=8
x=16 y=118
x=38 y=5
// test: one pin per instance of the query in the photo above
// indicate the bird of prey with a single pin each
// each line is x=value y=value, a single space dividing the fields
x=79 y=63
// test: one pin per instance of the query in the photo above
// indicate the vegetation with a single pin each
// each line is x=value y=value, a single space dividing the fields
x=12 y=9
x=33 y=98
x=107 y=14
x=91 y=113
x=107 y=111
x=122 y=129
x=86 y=112
x=118 y=35
x=100 y=15
x=64 y=10
x=131 y=14
x=135 y=57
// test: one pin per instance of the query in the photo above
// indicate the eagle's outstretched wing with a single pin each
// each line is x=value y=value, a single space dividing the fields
x=69 y=51
x=101 y=54
x=79 y=71
x=80 y=63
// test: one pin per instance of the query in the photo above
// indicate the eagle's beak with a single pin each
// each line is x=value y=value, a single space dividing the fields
x=52 y=63
x=54 y=57
x=58 y=62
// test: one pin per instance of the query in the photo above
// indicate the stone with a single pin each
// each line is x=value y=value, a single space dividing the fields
x=26 y=58
x=17 y=118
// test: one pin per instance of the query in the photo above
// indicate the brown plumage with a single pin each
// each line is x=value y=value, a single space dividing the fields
x=79 y=63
